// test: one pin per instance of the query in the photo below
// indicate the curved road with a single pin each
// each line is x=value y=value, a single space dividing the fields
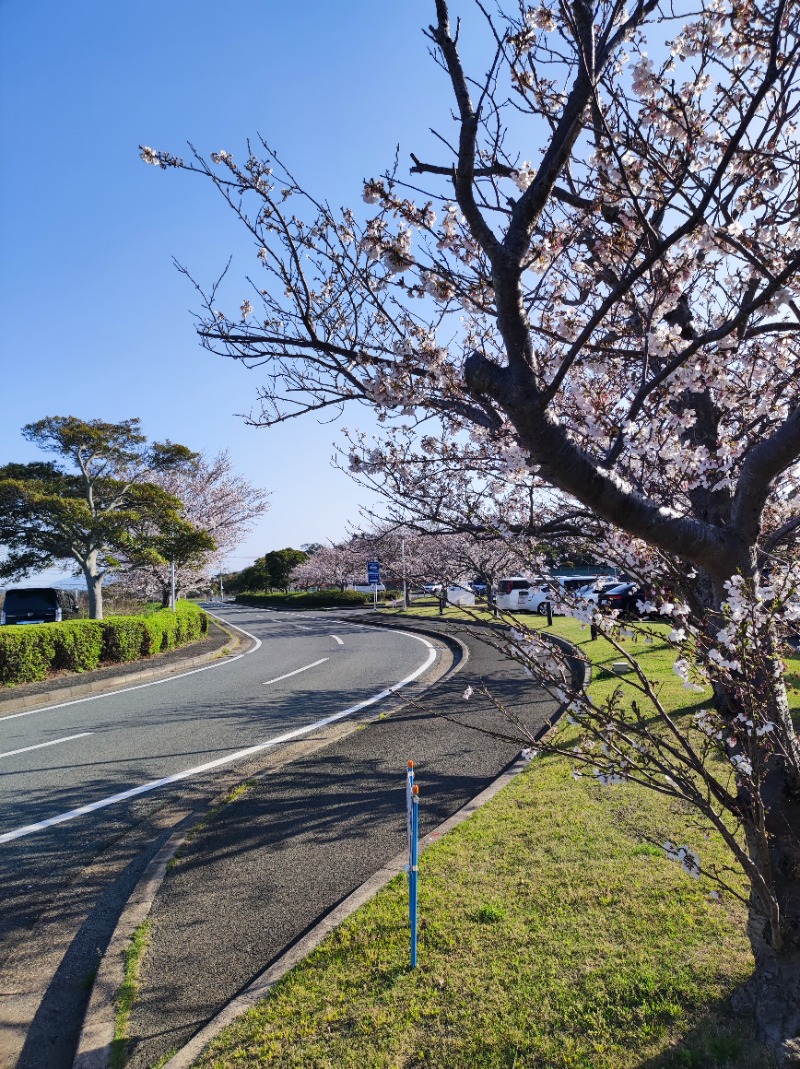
x=90 y=789
x=67 y=761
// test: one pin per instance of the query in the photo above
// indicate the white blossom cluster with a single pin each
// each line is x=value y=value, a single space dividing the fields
x=540 y=657
x=686 y=858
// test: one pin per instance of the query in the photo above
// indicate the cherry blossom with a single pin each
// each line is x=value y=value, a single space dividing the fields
x=597 y=344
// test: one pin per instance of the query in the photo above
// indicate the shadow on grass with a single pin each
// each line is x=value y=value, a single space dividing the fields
x=722 y=1039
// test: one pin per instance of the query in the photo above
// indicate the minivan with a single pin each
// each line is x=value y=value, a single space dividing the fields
x=515 y=591
x=37 y=605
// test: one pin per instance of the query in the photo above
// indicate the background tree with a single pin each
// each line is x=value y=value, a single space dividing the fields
x=418 y=556
x=333 y=566
x=216 y=500
x=280 y=563
x=96 y=506
x=611 y=311
x=271 y=572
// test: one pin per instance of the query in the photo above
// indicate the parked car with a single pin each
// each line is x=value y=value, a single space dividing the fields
x=556 y=590
x=514 y=591
x=432 y=588
x=623 y=598
x=593 y=590
x=37 y=605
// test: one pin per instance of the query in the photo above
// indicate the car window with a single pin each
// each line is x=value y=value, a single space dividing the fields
x=29 y=601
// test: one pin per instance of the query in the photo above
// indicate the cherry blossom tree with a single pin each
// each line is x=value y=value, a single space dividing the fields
x=334 y=565
x=584 y=313
x=406 y=552
x=215 y=499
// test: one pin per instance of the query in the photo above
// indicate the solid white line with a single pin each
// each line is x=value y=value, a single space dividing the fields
x=153 y=683
x=40 y=745
x=29 y=829
x=337 y=639
x=296 y=672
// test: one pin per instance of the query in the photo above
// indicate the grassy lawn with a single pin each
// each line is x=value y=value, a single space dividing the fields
x=553 y=936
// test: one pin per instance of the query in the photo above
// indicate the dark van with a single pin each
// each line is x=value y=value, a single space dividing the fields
x=37 y=605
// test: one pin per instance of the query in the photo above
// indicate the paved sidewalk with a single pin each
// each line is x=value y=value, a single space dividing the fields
x=272 y=863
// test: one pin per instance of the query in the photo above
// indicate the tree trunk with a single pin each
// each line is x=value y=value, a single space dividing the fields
x=773 y=992
x=94 y=587
x=772 y=995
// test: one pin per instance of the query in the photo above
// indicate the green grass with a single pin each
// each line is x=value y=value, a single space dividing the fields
x=553 y=935
x=126 y=995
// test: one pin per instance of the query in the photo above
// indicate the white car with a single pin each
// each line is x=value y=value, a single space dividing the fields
x=432 y=588
x=593 y=591
x=561 y=591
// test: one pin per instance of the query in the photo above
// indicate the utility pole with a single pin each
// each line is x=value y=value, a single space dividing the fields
x=405 y=578
x=172 y=585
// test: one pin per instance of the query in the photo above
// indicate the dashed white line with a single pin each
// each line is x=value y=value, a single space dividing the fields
x=41 y=745
x=296 y=672
x=337 y=639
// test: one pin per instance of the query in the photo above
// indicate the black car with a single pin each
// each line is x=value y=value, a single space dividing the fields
x=37 y=605
x=623 y=598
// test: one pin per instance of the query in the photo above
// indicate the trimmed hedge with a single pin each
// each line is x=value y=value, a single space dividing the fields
x=32 y=652
x=78 y=644
x=309 y=599
x=26 y=653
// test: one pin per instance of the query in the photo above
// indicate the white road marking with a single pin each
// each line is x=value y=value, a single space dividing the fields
x=141 y=686
x=300 y=627
x=296 y=672
x=144 y=788
x=41 y=745
x=337 y=639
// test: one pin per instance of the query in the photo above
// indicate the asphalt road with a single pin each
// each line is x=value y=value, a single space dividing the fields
x=272 y=863
x=90 y=789
x=57 y=761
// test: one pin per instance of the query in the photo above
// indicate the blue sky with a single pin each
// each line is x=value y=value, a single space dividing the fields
x=96 y=320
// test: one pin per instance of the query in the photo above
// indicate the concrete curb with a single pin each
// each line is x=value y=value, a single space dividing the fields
x=97 y=1035
x=262 y=985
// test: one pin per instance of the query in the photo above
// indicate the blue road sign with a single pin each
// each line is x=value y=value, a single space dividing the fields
x=373 y=571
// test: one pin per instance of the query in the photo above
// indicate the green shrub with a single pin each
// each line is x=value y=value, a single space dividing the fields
x=123 y=638
x=26 y=653
x=310 y=599
x=78 y=645
x=152 y=634
x=32 y=652
x=169 y=624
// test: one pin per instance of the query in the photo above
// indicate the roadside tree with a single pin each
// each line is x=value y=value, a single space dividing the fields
x=595 y=290
x=334 y=565
x=216 y=500
x=96 y=507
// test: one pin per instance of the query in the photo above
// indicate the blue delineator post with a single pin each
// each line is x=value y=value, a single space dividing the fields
x=412 y=803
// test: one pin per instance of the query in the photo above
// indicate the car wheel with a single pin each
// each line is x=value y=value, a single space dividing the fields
x=542 y=608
